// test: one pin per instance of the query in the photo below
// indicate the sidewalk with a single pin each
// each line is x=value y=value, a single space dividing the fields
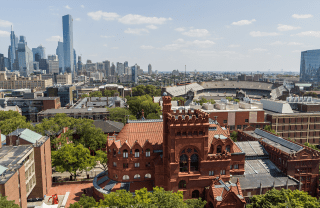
x=66 y=175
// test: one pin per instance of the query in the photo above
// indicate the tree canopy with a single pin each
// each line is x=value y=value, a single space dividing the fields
x=12 y=120
x=144 y=199
x=234 y=136
x=72 y=158
x=203 y=100
x=120 y=114
x=268 y=128
x=102 y=157
x=6 y=203
x=136 y=104
x=146 y=90
x=285 y=198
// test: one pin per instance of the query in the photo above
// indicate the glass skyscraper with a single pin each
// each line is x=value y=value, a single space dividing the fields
x=60 y=54
x=25 y=58
x=67 y=25
x=13 y=47
x=41 y=51
x=310 y=66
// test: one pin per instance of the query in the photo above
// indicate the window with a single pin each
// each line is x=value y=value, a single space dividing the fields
x=239 y=126
x=200 y=132
x=182 y=184
x=194 y=165
x=236 y=166
x=125 y=153
x=136 y=165
x=183 y=163
x=114 y=164
x=114 y=152
x=148 y=175
x=211 y=173
x=225 y=121
x=125 y=165
x=178 y=133
x=246 y=120
x=245 y=126
x=223 y=172
x=258 y=126
x=284 y=120
x=148 y=153
x=230 y=167
x=125 y=177
x=228 y=148
x=136 y=176
x=219 y=149
x=195 y=194
x=136 y=153
x=148 y=164
x=232 y=127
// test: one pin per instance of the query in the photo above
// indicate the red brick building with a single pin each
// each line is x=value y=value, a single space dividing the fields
x=28 y=174
x=292 y=158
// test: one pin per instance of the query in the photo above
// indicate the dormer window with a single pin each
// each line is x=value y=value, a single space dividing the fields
x=228 y=148
x=125 y=153
x=219 y=149
x=136 y=153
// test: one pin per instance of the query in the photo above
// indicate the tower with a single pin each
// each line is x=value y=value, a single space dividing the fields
x=67 y=24
x=60 y=54
x=13 y=47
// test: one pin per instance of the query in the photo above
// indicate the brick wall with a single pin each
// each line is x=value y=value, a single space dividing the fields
x=48 y=166
x=23 y=188
x=51 y=104
x=40 y=189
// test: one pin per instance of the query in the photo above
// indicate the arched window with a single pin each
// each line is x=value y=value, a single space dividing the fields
x=219 y=149
x=228 y=148
x=125 y=177
x=136 y=153
x=194 y=165
x=183 y=163
x=182 y=184
x=148 y=153
x=114 y=152
x=136 y=176
x=195 y=194
x=148 y=175
x=125 y=153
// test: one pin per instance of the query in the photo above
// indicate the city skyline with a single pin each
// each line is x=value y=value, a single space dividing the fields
x=206 y=36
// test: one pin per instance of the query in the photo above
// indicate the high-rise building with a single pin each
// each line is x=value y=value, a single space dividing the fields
x=120 y=68
x=79 y=68
x=2 y=64
x=75 y=59
x=149 y=69
x=107 y=68
x=310 y=66
x=13 y=47
x=60 y=54
x=125 y=64
x=67 y=24
x=41 y=51
x=113 y=69
x=53 y=62
x=134 y=72
x=25 y=58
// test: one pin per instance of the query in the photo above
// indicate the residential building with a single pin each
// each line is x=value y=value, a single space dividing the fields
x=125 y=64
x=310 y=66
x=14 y=82
x=44 y=65
x=25 y=58
x=79 y=68
x=65 y=79
x=67 y=24
x=27 y=175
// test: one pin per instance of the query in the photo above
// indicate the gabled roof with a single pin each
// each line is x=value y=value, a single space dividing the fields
x=27 y=135
x=108 y=126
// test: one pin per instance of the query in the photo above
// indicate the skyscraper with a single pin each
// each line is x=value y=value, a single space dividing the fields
x=107 y=68
x=125 y=64
x=120 y=68
x=67 y=25
x=75 y=59
x=13 y=47
x=79 y=63
x=135 y=73
x=149 y=69
x=25 y=58
x=41 y=51
x=60 y=54
x=310 y=66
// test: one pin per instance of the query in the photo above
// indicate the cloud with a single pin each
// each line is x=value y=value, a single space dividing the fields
x=180 y=43
x=310 y=34
x=82 y=6
x=296 y=51
x=115 y=48
x=302 y=16
x=261 y=34
x=105 y=45
x=258 y=50
x=278 y=43
x=244 y=22
x=105 y=15
x=4 y=33
x=136 y=19
x=67 y=7
x=54 y=38
x=203 y=44
x=152 y=27
x=285 y=43
x=4 y=23
x=180 y=29
x=106 y=36
x=233 y=46
x=146 y=47
x=196 y=33
x=287 y=27
x=137 y=31
x=77 y=19
x=295 y=43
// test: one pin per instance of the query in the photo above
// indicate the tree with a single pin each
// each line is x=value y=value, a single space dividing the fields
x=120 y=114
x=84 y=95
x=6 y=203
x=146 y=90
x=268 y=128
x=136 y=104
x=203 y=100
x=234 y=136
x=85 y=202
x=178 y=99
x=12 y=120
x=102 y=157
x=72 y=158
x=109 y=93
x=119 y=199
x=153 y=116
x=95 y=94
x=284 y=198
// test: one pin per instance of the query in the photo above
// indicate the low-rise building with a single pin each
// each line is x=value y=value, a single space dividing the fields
x=31 y=82
x=64 y=79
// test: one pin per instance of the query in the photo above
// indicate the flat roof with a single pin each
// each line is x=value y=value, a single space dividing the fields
x=74 y=110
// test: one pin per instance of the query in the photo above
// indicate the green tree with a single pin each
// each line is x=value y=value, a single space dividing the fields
x=120 y=114
x=95 y=94
x=268 y=128
x=195 y=203
x=203 y=100
x=119 y=199
x=11 y=120
x=85 y=202
x=84 y=95
x=178 y=99
x=146 y=90
x=284 y=198
x=153 y=116
x=109 y=93
x=234 y=136
x=6 y=203
x=71 y=158
x=102 y=157
x=136 y=104
x=9 y=114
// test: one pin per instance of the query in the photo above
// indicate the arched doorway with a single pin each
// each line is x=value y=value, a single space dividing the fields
x=195 y=194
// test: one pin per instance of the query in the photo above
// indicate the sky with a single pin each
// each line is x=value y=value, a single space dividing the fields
x=204 y=35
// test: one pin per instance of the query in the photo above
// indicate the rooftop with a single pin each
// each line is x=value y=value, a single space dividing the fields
x=181 y=90
x=252 y=148
x=108 y=126
x=29 y=136
x=74 y=110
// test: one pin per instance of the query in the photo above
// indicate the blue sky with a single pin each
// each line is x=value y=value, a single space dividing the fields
x=204 y=35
